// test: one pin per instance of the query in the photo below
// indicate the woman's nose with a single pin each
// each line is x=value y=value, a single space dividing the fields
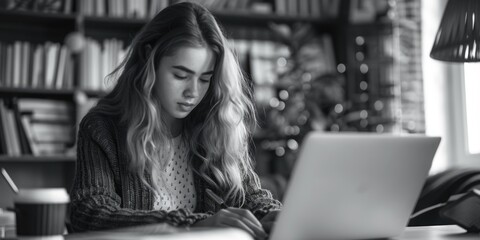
x=191 y=90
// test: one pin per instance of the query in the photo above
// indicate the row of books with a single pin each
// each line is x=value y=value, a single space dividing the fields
x=270 y=64
x=259 y=59
x=219 y=5
x=97 y=60
x=35 y=127
x=268 y=61
x=122 y=8
x=48 y=6
x=24 y=64
x=308 y=8
x=149 y=8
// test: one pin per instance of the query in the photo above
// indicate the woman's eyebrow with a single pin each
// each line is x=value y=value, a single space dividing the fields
x=191 y=71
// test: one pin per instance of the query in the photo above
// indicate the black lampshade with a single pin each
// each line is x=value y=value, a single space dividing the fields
x=458 y=36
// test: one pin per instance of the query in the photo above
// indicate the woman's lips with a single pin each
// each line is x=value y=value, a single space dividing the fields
x=186 y=106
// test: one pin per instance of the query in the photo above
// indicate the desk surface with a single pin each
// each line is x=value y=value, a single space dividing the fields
x=448 y=232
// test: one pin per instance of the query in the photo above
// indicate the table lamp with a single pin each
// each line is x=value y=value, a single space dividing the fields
x=458 y=36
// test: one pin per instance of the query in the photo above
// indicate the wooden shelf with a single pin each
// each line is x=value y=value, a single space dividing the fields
x=125 y=28
x=225 y=17
x=112 y=27
x=37 y=93
x=61 y=94
x=39 y=159
x=27 y=17
x=256 y=19
x=35 y=26
x=94 y=93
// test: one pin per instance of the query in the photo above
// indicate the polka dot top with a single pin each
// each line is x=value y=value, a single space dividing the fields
x=177 y=190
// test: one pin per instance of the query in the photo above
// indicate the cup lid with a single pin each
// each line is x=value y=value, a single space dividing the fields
x=7 y=218
x=42 y=195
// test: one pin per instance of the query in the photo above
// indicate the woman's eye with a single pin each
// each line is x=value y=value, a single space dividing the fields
x=205 y=80
x=180 y=76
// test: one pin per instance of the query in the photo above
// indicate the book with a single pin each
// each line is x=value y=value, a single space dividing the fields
x=281 y=7
x=25 y=121
x=22 y=137
x=37 y=68
x=3 y=55
x=62 y=61
x=304 y=8
x=24 y=68
x=51 y=132
x=69 y=72
x=9 y=67
x=315 y=8
x=12 y=134
x=48 y=149
x=292 y=8
x=43 y=105
x=121 y=8
x=51 y=58
x=17 y=49
x=48 y=116
x=67 y=6
x=31 y=50
x=5 y=137
x=100 y=8
x=3 y=143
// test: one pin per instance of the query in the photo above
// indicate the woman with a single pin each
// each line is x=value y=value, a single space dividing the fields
x=175 y=126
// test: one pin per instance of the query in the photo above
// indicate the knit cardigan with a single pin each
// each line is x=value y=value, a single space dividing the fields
x=105 y=194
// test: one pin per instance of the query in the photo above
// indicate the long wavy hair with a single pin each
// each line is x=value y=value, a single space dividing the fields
x=217 y=132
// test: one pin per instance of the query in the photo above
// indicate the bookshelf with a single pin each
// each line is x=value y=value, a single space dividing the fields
x=36 y=28
x=248 y=25
x=61 y=94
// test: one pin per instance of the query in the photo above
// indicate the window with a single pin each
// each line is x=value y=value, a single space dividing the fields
x=471 y=98
x=465 y=113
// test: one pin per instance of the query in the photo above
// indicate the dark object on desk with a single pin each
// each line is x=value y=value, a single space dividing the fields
x=465 y=211
x=438 y=189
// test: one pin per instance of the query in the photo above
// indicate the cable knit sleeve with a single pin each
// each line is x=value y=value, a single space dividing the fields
x=259 y=201
x=95 y=200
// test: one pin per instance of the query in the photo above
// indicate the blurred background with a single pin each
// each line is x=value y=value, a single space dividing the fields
x=315 y=65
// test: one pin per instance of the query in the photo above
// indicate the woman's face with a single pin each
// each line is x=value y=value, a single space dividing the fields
x=183 y=80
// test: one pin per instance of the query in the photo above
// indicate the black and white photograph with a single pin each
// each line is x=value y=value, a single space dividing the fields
x=239 y=119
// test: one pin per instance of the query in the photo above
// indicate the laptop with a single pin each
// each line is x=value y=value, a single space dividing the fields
x=354 y=186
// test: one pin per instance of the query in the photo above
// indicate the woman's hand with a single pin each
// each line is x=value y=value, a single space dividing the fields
x=269 y=219
x=235 y=217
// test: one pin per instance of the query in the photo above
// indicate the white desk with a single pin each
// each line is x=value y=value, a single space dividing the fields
x=447 y=232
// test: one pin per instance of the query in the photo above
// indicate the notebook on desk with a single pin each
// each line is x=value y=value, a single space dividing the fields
x=162 y=231
x=354 y=186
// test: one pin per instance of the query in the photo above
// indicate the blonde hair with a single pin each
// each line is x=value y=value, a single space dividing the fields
x=217 y=131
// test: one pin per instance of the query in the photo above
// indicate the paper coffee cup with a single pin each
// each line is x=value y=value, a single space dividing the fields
x=41 y=211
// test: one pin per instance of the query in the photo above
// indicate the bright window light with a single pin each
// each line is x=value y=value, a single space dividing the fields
x=472 y=99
